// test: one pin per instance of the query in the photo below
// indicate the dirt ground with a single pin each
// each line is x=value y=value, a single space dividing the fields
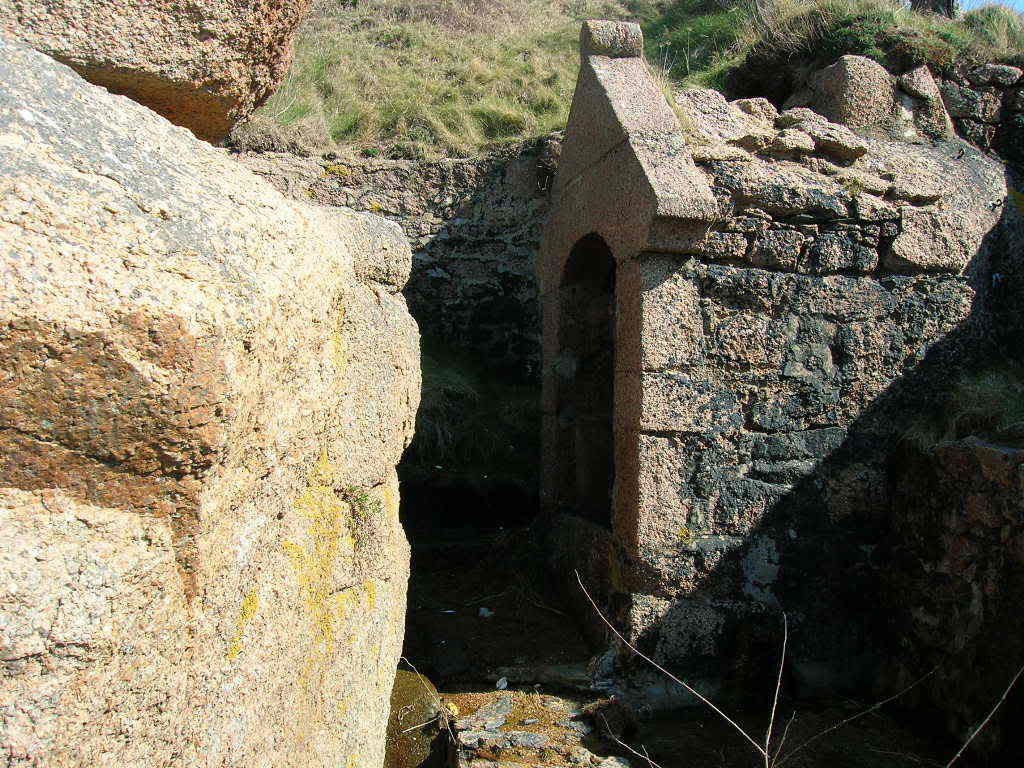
x=482 y=614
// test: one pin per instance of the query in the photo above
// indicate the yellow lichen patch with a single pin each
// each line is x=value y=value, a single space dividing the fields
x=352 y=762
x=371 y=593
x=314 y=566
x=250 y=606
x=391 y=499
x=338 y=343
x=337 y=170
x=686 y=536
x=327 y=515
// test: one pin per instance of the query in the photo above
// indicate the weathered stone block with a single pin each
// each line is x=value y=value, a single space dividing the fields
x=206 y=388
x=981 y=105
x=994 y=74
x=857 y=92
x=840 y=252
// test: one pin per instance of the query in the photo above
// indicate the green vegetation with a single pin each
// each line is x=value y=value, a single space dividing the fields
x=730 y=45
x=428 y=77
x=989 y=403
x=423 y=78
x=820 y=31
x=474 y=422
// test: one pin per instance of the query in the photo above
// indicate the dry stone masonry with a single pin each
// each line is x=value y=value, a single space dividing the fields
x=474 y=226
x=743 y=308
x=205 y=389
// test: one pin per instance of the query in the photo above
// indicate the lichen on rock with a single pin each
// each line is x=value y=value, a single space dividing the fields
x=196 y=371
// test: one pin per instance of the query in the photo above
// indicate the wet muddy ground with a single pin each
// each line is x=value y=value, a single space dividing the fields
x=487 y=628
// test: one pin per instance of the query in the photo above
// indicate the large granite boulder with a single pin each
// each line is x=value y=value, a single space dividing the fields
x=204 y=389
x=857 y=92
x=201 y=65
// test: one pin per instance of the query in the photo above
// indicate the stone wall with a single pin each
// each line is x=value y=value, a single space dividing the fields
x=205 y=389
x=784 y=356
x=772 y=351
x=987 y=107
x=474 y=227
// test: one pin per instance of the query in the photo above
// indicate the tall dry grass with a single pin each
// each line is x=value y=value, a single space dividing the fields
x=422 y=78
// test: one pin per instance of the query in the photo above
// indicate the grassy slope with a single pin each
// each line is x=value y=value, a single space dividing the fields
x=427 y=77
x=422 y=78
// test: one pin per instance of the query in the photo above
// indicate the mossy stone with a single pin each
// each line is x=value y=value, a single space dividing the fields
x=414 y=737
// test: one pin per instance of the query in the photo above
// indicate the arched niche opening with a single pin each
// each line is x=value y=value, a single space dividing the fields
x=586 y=381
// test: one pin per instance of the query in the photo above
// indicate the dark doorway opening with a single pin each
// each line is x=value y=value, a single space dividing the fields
x=586 y=381
x=481 y=606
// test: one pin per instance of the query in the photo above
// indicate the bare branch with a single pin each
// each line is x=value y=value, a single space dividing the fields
x=775 y=700
x=859 y=715
x=624 y=745
x=782 y=741
x=665 y=672
x=987 y=718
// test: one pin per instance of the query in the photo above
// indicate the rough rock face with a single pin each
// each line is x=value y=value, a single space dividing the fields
x=987 y=107
x=983 y=104
x=205 y=390
x=201 y=65
x=958 y=578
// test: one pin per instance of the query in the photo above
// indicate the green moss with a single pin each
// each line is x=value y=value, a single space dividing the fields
x=988 y=403
x=479 y=424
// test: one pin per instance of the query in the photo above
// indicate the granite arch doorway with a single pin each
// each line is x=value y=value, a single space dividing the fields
x=586 y=381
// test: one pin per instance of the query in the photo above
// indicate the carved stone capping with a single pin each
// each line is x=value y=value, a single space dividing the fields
x=615 y=39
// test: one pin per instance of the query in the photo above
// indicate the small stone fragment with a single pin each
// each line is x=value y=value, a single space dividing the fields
x=758 y=107
x=995 y=74
x=484 y=738
x=527 y=739
x=792 y=141
x=500 y=707
x=576 y=725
